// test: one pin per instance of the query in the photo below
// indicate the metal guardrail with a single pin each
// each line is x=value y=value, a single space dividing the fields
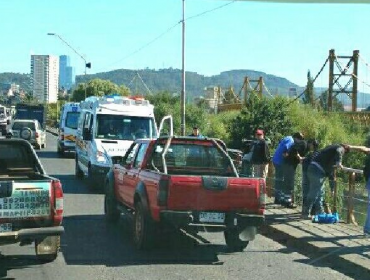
x=345 y=202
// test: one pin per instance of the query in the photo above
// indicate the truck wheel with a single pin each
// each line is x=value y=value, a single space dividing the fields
x=78 y=172
x=60 y=151
x=143 y=228
x=90 y=179
x=110 y=206
x=47 y=249
x=233 y=241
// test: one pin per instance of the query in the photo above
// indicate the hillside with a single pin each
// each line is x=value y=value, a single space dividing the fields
x=170 y=79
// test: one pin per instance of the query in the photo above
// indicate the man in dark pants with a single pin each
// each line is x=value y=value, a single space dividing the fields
x=294 y=156
x=279 y=163
x=322 y=165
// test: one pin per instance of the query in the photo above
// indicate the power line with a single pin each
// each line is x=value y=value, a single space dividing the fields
x=211 y=10
x=145 y=45
x=168 y=30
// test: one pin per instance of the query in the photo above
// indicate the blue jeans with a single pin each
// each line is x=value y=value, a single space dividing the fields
x=279 y=179
x=289 y=179
x=367 y=222
x=305 y=187
x=316 y=179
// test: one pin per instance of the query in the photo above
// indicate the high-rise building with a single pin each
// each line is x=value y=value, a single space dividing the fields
x=44 y=77
x=66 y=73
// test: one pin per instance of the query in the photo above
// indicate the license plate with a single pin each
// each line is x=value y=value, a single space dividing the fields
x=211 y=217
x=5 y=227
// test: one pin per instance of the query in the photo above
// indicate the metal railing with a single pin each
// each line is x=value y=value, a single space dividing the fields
x=349 y=198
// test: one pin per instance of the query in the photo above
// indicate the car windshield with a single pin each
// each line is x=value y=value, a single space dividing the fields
x=72 y=120
x=118 y=127
x=20 y=125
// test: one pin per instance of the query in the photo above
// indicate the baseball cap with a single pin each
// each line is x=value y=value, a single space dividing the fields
x=195 y=127
x=259 y=132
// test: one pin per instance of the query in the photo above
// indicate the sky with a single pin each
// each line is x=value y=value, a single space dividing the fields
x=283 y=39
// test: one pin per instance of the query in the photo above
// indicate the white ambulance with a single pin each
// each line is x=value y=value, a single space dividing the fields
x=106 y=128
x=68 y=122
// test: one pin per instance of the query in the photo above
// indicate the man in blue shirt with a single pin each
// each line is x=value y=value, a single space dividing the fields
x=278 y=160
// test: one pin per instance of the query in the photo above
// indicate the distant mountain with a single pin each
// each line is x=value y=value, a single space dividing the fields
x=170 y=79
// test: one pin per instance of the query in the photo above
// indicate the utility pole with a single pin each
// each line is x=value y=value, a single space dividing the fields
x=183 y=93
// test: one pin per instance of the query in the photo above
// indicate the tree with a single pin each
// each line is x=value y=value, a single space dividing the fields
x=99 y=87
x=309 y=94
x=337 y=105
x=269 y=114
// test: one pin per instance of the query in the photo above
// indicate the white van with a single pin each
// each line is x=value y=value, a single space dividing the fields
x=107 y=127
x=69 y=116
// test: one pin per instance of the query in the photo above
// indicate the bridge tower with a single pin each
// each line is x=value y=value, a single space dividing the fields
x=335 y=87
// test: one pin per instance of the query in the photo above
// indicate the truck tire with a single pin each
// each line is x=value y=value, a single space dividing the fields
x=143 y=228
x=90 y=179
x=60 y=151
x=112 y=214
x=78 y=172
x=47 y=249
x=233 y=241
x=26 y=133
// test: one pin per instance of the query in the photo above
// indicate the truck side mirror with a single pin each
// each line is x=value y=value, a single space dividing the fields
x=86 y=135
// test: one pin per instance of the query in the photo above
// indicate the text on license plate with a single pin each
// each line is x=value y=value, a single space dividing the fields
x=211 y=217
x=5 y=227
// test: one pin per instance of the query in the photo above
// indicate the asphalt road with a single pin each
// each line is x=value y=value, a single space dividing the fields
x=92 y=249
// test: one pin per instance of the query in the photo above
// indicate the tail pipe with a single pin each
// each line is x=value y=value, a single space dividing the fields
x=57 y=192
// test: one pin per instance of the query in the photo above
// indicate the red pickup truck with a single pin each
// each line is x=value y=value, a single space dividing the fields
x=184 y=182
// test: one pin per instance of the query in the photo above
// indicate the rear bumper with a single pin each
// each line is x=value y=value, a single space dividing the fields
x=67 y=146
x=30 y=234
x=191 y=219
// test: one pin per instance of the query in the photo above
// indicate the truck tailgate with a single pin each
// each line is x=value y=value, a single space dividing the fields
x=207 y=193
x=29 y=201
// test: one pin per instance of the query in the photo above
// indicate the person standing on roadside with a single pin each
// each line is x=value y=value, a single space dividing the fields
x=196 y=132
x=312 y=147
x=278 y=160
x=294 y=156
x=322 y=165
x=260 y=155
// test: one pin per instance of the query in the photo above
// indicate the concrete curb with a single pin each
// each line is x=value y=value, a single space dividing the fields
x=339 y=246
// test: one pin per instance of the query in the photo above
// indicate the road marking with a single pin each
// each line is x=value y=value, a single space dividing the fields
x=326 y=255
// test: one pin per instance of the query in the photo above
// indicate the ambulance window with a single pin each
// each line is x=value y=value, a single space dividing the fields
x=72 y=119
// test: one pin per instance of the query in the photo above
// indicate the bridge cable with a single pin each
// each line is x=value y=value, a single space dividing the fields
x=313 y=81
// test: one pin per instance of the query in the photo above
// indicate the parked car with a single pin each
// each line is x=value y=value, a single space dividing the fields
x=31 y=202
x=31 y=131
x=184 y=182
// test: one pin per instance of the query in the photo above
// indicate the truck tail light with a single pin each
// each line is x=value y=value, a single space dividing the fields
x=262 y=187
x=58 y=202
x=162 y=194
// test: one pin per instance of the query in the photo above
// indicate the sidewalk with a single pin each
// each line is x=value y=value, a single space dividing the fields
x=342 y=244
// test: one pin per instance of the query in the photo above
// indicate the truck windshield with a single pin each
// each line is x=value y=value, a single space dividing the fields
x=2 y=111
x=72 y=119
x=120 y=127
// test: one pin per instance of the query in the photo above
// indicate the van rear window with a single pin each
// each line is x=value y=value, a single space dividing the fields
x=72 y=120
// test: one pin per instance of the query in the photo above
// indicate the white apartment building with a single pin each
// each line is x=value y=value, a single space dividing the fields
x=44 y=77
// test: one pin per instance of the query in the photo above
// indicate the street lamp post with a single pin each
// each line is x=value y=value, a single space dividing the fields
x=183 y=93
x=87 y=64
